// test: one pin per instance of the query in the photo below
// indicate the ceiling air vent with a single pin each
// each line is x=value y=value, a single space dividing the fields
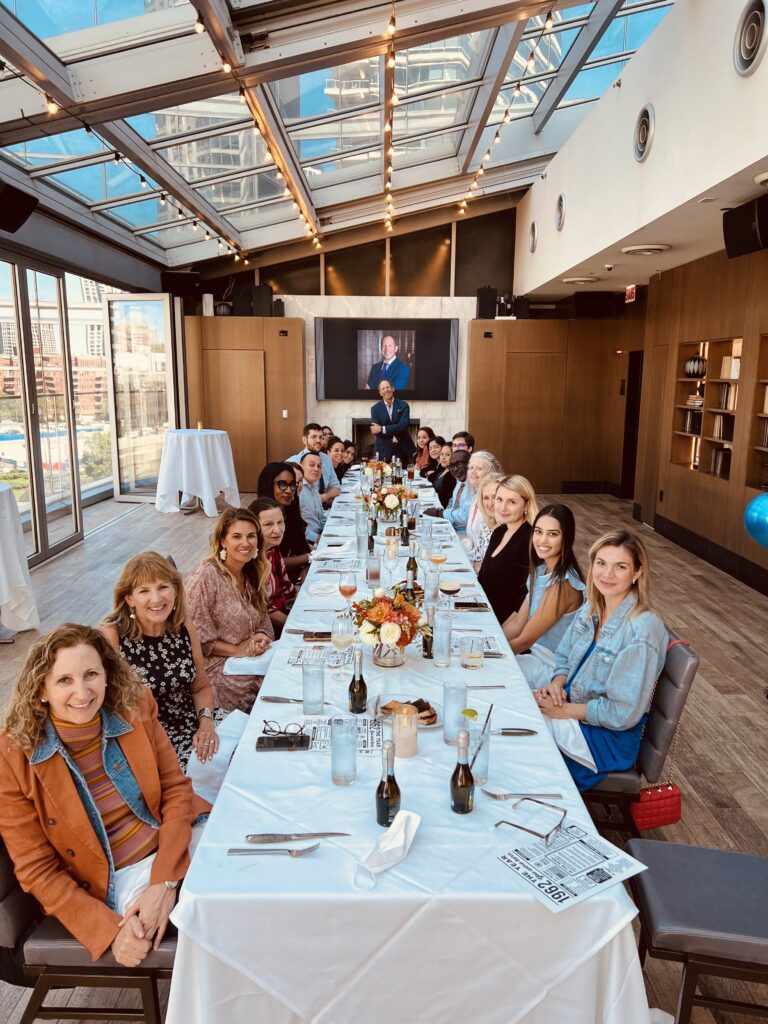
x=750 y=39
x=560 y=212
x=586 y=279
x=645 y=249
x=533 y=236
x=644 y=133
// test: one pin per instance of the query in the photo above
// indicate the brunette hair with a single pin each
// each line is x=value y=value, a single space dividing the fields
x=567 y=561
x=257 y=571
x=144 y=568
x=294 y=540
x=429 y=432
x=332 y=440
x=26 y=713
x=636 y=548
x=440 y=440
x=522 y=486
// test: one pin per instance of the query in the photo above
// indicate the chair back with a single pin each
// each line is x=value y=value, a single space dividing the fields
x=18 y=910
x=672 y=691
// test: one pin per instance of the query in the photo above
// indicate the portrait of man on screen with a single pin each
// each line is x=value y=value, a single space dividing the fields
x=390 y=367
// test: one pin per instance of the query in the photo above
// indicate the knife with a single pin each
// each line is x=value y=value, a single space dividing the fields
x=499 y=686
x=289 y=700
x=289 y=837
x=514 y=732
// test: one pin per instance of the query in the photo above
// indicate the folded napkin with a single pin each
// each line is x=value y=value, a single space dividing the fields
x=571 y=740
x=388 y=851
x=256 y=666
x=323 y=589
x=207 y=778
x=347 y=548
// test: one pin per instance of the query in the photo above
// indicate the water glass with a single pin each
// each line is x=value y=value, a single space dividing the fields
x=313 y=687
x=343 y=751
x=472 y=655
x=362 y=545
x=373 y=570
x=361 y=521
x=431 y=576
x=481 y=756
x=454 y=703
x=441 y=643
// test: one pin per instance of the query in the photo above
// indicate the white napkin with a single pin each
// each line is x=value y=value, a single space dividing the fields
x=349 y=547
x=323 y=589
x=388 y=851
x=207 y=778
x=571 y=740
x=255 y=666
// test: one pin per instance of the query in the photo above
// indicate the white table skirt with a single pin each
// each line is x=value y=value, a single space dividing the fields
x=449 y=933
x=197 y=463
x=18 y=609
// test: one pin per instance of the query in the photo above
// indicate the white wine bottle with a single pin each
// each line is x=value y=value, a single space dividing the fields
x=462 y=783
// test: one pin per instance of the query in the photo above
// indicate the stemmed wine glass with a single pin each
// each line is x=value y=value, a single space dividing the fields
x=342 y=636
x=391 y=556
x=449 y=589
x=348 y=588
x=436 y=555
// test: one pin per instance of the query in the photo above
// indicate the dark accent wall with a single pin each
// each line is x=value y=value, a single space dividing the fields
x=359 y=270
x=299 y=277
x=420 y=264
x=485 y=253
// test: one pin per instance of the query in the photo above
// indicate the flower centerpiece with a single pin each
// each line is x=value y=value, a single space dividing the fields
x=388 y=624
x=377 y=469
x=388 y=500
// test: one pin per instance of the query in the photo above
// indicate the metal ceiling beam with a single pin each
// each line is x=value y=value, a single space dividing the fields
x=28 y=54
x=187 y=68
x=218 y=24
x=590 y=35
x=501 y=56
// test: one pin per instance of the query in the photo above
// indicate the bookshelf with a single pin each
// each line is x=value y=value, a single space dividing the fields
x=706 y=406
x=757 y=461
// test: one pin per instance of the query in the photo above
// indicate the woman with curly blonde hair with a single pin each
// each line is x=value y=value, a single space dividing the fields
x=228 y=598
x=148 y=626
x=94 y=808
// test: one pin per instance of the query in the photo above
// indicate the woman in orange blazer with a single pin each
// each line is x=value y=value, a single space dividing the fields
x=90 y=789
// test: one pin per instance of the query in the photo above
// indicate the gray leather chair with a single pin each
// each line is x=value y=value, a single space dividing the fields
x=705 y=909
x=46 y=956
x=620 y=789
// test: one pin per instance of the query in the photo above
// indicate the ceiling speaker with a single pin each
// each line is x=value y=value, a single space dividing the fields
x=750 y=40
x=745 y=229
x=644 y=129
x=15 y=207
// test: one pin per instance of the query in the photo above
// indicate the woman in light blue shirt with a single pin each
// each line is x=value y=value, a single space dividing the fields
x=607 y=664
x=555 y=593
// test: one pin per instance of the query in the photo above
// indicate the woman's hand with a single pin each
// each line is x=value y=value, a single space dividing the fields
x=259 y=642
x=552 y=695
x=205 y=742
x=129 y=946
x=152 y=910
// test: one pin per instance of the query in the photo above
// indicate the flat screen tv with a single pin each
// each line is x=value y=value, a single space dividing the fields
x=420 y=357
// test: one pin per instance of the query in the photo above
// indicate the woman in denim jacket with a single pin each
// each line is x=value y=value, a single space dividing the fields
x=607 y=664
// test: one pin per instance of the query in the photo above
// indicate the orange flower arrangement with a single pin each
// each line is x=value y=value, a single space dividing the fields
x=392 y=621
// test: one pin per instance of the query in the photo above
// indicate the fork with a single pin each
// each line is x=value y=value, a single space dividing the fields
x=519 y=796
x=250 y=851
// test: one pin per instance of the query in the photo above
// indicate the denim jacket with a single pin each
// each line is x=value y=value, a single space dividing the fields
x=118 y=770
x=617 y=679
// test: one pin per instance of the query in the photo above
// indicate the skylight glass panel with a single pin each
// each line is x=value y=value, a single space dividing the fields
x=627 y=33
x=591 y=83
x=250 y=188
x=549 y=53
x=324 y=138
x=315 y=93
x=640 y=26
x=48 y=18
x=178 y=234
x=189 y=117
x=102 y=181
x=445 y=110
x=329 y=172
x=524 y=104
x=262 y=216
x=52 y=149
x=144 y=213
x=419 y=151
x=216 y=154
x=446 y=62
x=561 y=17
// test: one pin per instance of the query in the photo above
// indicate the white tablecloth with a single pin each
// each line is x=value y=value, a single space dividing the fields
x=450 y=934
x=199 y=464
x=17 y=603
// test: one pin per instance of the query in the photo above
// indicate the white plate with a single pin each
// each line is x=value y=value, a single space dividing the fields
x=404 y=698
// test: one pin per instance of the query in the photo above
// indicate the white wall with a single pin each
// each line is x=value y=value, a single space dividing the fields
x=710 y=124
x=444 y=417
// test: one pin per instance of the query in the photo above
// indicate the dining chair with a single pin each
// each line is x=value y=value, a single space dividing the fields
x=705 y=909
x=38 y=952
x=619 y=790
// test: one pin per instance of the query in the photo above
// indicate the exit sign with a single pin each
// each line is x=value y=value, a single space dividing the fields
x=630 y=294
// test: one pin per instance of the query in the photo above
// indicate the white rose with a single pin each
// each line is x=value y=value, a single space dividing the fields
x=390 y=633
x=368 y=634
x=391 y=501
x=378 y=592
x=368 y=471
x=387 y=469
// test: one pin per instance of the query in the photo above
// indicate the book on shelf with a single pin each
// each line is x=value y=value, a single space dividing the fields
x=765 y=400
x=721 y=462
x=696 y=400
x=730 y=367
x=722 y=427
x=725 y=397
x=763 y=442
x=692 y=422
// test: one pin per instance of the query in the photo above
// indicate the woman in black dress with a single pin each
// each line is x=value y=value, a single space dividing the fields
x=504 y=572
x=433 y=462
x=280 y=481
x=147 y=626
x=444 y=481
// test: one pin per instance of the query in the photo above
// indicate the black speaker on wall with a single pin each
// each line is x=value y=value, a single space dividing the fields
x=181 y=283
x=486 y=303
x=745 y=229
x=15 y=207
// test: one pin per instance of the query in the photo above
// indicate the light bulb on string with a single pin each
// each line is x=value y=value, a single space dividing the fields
x=486 y=156
x=391 y=60
x=387 y=126
x=548 y=21
x=461 y=211
x=496 y=139
x=116 y=158
x=395 y=99
x=473 y=186
x=207 y=236
x=51 y=105
x=220 y=244
x=294 y=205
x=226 y=67
x=195 y=225
x=241 y=95
x=199 y=25
x=142 y=181
x=179 y=214
x=391 y=26
x=463 y=204
x=162 y=200
x=286 y=191
x=507 y=116
x=481 y=169
x=237 y=257
x=531 y=59
x=518 y=88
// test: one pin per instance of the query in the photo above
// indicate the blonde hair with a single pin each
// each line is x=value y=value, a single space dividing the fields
x=642 y=589
x=144 y=568
x=487 y=480
x=522 y=485
x=26 y=713
x=258 y=571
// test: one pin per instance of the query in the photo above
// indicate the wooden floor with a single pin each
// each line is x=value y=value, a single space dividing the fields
x=723 y=747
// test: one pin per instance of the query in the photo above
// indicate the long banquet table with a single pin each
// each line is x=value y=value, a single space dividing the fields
x=450 y=933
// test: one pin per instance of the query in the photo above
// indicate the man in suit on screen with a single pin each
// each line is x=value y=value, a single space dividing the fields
x=390 y=420
x=390 y=368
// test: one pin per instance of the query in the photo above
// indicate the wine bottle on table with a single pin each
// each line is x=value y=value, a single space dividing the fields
x=358 y=691
x=462 y=783
x=412 y=565
x=426 y=639
x=404 y=532
x=388 y=791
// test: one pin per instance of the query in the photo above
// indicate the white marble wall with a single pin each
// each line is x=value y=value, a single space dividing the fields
x=444 y=417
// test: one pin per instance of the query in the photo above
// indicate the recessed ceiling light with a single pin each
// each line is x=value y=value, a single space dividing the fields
x=585 y=279
x=646 y=249
x=761 y=179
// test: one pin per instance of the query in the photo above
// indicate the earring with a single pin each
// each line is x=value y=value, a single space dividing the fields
x=223 y=555
x=43 y=700
x=132 y=615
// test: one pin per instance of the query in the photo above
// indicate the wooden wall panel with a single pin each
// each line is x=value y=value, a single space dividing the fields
x=284 y=354
x=233 y=332
x=193 y=350
x=235 y=402
x=537 y=335
x=485 y=383
x=533 y=422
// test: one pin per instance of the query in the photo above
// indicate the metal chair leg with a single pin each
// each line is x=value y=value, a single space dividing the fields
x=36 y=999
x=687 y=993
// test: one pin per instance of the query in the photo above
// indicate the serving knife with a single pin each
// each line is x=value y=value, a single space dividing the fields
x=514 y=732
x=289 y=837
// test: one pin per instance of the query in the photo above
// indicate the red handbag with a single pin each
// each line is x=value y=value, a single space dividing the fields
x=661 y=804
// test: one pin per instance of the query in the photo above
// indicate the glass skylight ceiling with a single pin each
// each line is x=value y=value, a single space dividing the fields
x=326 y=126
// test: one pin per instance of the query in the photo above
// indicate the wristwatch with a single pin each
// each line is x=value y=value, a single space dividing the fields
x=205 y=713
x=171 y=885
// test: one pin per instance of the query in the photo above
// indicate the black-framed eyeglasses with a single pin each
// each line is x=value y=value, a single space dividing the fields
x=283 y=485
x=275 y=729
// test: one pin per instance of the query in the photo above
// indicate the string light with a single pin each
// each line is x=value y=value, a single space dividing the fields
x=387 y=126
x=116 y=158
x=391 y=60
x=531 y=59
x=207 y=235
x=143 y=181
x=51 y=105
x=162 y=200
x=241 y=95
x=549 y=21
x=392 y=26
x=226 y=67
x=199 y=24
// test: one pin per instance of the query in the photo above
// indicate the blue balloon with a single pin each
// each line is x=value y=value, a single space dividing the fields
x=756 y=519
